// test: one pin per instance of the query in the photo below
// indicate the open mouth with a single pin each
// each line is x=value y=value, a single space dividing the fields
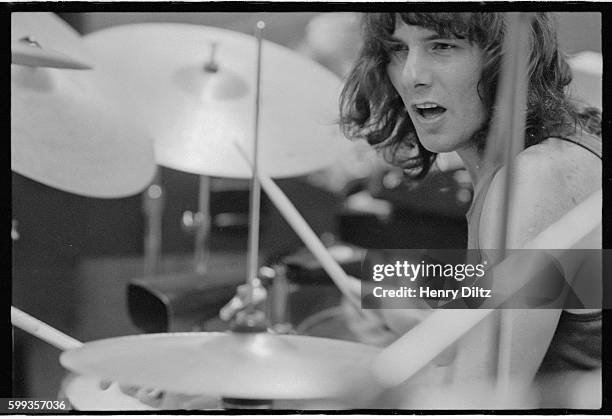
x=429 y=111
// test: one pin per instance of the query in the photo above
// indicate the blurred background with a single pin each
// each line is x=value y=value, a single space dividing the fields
x=75 y=256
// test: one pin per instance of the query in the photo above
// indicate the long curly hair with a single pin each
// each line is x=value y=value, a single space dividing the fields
x=371 y=108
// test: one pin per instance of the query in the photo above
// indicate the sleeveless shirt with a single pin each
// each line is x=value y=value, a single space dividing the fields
x=576 y=343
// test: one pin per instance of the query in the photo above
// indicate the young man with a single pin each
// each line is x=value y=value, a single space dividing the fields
x=425 y=83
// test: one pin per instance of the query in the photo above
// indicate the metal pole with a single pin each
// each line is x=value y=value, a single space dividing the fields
x=253 y=241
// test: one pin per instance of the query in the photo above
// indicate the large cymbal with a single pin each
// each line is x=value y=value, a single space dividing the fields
x=238 y=365
x=197 y=117
x=66 y=132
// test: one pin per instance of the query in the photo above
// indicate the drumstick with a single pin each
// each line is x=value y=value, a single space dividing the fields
x=407 y=355
x=42 y=330
x=515 y=80
x=301 y=227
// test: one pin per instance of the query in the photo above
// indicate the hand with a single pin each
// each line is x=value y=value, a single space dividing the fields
x=158 y=399
x=150 y=397
x=382 y=326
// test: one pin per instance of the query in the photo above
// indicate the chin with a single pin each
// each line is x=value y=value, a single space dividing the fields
x=438 y=145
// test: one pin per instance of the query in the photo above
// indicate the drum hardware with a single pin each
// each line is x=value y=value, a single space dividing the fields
x=196 y=132
x=303 y=230
x=201 y=221
x=193 y=111
x=153 y=207
x=245 y=309
x=202 y=236
x=275 y=279
x=252 y=296
x=297 y=286
x=246 y=364
x=179 y=302
x=310 y=289
x=199 y=224
x=252 y=316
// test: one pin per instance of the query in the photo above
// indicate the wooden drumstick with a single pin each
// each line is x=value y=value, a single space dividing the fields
x=407 y=355
x=302 y=229
x=42 y=330
x=509 y=140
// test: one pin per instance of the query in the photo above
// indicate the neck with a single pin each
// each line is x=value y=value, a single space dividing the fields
x=474 y=163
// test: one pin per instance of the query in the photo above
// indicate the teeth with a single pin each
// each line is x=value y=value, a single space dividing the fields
x=426 y=106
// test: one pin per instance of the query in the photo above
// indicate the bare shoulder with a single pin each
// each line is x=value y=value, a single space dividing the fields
x=548 y=180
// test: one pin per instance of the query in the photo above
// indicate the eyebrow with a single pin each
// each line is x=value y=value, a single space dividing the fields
x=426 y=38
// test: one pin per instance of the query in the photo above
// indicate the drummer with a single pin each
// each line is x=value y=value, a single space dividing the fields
x=425 y=83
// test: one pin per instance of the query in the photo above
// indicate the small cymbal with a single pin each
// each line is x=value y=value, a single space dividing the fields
x=587 y=70
x=66 y=132
x=28 y=52
x=237 y=365
x=196 y=117
x=47 y=32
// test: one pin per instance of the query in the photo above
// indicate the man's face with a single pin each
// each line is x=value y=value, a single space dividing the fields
x=437 y=79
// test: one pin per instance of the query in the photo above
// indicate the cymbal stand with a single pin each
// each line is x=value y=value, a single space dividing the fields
x=246 y=305
x=202 y=224
x=153 y=207
x=201 y=221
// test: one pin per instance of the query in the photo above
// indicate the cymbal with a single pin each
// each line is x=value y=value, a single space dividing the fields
x=237 y=365
x=587 y=69
x=196 y=117
x=48 y=35
x=66 y=132
x=28 y=52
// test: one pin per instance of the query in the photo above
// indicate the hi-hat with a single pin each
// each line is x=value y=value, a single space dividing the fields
x=66 y=132
x=237 y=365
x=196 y=116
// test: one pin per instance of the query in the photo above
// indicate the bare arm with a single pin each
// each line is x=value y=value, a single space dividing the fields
x=550 y=179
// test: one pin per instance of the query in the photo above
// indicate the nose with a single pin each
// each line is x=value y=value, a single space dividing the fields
x=417 y=72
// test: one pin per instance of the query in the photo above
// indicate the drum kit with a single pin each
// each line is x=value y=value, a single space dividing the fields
x=94 y=115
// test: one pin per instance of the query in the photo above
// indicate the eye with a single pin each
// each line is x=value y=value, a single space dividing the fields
x=398 y=46
x=397 y=49
x=443 y=46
